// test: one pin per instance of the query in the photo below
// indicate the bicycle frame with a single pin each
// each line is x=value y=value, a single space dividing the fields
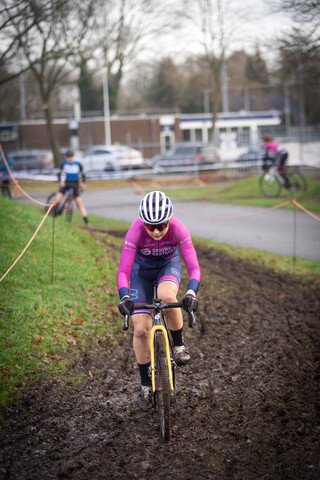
x=157 y=326
x=157 y=306
x=273 y=172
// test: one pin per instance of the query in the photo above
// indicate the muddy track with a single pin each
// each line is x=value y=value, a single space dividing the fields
x=246 y=407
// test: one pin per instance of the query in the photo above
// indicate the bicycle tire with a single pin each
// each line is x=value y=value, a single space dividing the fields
x=50 y=199
x=269 y=186
x=297 y=182
x=162 y=384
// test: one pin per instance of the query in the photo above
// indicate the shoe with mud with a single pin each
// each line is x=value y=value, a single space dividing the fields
x=181 y=355
x=144 y=398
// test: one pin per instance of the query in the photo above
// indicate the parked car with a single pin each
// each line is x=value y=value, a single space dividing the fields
x=31 y=159
x=183 y=154
x=113 y=157
x=254 y=154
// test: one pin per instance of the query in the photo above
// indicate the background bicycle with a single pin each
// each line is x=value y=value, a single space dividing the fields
x=66 y=204
x=272 y=182
x=162 y=362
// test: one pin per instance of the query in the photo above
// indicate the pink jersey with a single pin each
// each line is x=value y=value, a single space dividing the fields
x=139 y=243
x=273 y=146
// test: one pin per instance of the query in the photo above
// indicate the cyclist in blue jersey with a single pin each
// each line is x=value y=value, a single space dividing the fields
x=5 y=176
x=70 y=175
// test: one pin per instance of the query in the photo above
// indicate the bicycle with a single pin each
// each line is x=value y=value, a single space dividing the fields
x=272 y=182
x=162 y=361
x=66 y=204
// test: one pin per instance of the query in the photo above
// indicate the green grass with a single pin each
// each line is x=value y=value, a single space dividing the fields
x=43 y=325
x=246 y=192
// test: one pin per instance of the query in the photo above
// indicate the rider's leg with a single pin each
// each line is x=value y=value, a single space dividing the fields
x=142 y=324
x=59 y=197
x=280 y=162
x=82 y=210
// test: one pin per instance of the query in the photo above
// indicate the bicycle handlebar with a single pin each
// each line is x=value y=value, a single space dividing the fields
x=161 y=306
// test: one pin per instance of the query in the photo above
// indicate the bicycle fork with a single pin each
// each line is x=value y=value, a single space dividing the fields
x=165 y=334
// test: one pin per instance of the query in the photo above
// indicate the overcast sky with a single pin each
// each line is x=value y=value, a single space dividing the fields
x=252 y=21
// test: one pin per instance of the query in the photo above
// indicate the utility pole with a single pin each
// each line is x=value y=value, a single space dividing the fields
x=287 y=108
x=106 y=108
x=224 y=78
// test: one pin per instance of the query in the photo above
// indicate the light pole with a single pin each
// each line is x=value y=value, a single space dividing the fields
x=106 y=108
x=206 y=103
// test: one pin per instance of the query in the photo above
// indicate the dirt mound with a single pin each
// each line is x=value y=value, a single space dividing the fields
x=246 y=407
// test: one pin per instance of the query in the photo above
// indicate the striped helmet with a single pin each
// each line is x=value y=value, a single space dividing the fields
x=155 y=208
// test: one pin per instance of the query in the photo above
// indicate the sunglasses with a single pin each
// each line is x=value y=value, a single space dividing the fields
x=161 y=226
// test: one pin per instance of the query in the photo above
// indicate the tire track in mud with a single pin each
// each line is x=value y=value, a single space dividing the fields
x=246 y=407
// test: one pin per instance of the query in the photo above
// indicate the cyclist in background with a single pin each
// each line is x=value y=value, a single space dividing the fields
x=5 y=176
x=70 y=175
x=150 y=254
x=279 y=155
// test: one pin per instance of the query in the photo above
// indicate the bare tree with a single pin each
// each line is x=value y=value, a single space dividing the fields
x=49 y=36
x=217 y=26
x=299 y=56
x=11 y=14
x=301 y=10
x=125 y=29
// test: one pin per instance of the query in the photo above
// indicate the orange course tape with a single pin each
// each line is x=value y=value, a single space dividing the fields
x=305 y=210
x=31 y=239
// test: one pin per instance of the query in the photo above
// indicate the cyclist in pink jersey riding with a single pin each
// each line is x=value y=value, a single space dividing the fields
x=278 y=154
x=150 y=255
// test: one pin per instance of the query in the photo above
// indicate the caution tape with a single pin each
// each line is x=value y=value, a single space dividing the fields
x=28 y=244
x=294 y=201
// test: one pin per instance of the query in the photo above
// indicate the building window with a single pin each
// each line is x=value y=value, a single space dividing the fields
x=186 y=135
x=244 y=137
x=198 y=135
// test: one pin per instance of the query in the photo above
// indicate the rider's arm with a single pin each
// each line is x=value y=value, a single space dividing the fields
x=83 y=177
x=189 y=256
x=60 y=172
x=126 y=262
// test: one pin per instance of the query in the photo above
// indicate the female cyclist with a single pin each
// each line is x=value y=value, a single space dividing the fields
x=150 y=254
x=274 y=151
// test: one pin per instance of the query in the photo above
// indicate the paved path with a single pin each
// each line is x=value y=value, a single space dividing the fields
x=272 y=231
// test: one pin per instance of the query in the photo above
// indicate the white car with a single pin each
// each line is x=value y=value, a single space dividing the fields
x=113 y=157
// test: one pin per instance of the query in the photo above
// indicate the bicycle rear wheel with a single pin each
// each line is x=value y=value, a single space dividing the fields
x=297 y=182
x=162 y=392
x=269 y=185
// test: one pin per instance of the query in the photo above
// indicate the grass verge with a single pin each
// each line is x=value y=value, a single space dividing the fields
x=42 y=323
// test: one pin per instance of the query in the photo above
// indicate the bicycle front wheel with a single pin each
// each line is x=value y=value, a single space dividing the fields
x=50 y=199
x=162 y=384
x=269 y=185
x=297 y=182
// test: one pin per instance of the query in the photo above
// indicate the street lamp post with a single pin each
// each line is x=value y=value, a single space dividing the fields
x=106 y=108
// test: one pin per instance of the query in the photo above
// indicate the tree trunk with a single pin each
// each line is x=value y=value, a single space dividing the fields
x=52 y=136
